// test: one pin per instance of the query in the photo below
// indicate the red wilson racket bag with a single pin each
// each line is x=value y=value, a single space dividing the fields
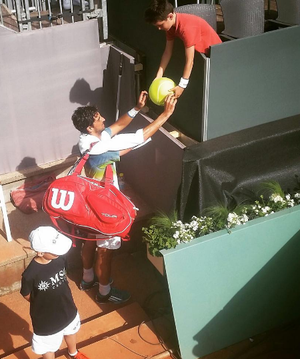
x=89 y=205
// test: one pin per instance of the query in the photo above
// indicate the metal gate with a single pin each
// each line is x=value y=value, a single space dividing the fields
x=37 y=14
x=212 y=2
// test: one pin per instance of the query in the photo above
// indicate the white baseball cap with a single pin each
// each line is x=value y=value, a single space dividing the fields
x=48 y=239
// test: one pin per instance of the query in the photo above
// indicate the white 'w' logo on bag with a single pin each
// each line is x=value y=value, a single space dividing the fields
x=62 y=202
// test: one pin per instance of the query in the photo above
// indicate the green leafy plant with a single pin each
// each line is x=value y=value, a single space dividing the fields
x=165 y=232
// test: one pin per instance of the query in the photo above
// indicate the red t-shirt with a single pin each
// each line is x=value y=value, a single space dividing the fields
x=193 y=31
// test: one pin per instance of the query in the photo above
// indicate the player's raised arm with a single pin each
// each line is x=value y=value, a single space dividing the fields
x=170 y=103
x=126 y=119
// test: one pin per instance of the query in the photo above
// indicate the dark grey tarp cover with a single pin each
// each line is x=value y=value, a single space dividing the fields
x=230 y=167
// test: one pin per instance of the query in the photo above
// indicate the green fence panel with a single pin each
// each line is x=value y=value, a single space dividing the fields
x=254 y=80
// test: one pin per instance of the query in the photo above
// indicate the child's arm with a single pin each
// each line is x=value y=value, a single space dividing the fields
x=26 y=287
x=166 y=56
x=27 y=297
x=189 y=62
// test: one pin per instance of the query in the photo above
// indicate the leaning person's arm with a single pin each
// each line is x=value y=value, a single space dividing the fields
x=189 y=63
x=166 y=56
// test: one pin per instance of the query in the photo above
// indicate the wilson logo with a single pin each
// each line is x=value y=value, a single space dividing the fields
x=66 y=199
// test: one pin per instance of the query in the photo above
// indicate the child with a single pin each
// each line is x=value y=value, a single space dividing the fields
x=194 y=31
x=44 y=284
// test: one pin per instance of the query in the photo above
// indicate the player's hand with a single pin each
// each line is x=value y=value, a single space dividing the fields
x=177 y=91
x=142 y=100
x=170 y=102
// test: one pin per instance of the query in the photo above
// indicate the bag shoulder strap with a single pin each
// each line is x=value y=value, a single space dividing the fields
x=78 y=165
x=108 y=177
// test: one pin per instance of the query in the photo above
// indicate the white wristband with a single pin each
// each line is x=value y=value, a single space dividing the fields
x=133 y=112
x=183 y=83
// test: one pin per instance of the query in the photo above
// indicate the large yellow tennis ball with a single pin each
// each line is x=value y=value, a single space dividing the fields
x=159 y=89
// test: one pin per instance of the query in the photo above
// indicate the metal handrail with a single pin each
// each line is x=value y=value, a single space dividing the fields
x=33 y=14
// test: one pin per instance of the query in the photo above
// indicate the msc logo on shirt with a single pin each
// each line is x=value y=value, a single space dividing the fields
x=54 y=281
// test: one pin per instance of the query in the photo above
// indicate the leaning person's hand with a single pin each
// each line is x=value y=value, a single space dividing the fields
x=142 y=100
x=177 y=91
x=170 y=102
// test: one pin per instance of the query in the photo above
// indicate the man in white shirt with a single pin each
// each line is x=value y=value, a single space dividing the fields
x=108 y=147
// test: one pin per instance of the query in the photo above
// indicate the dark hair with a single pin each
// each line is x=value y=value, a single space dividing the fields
x=158 y=11
x=83 y=117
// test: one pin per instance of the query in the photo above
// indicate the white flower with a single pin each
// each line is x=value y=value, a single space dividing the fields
x=199 y=226
x=176 y=235
x=276 y=198
x=245 y=218
x=233 y=219
x=194 y=225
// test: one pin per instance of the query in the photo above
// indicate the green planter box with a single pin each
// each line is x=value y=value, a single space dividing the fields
x=228 y=287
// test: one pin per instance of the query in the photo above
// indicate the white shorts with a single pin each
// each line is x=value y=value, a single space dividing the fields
x=42 y=344
x=111 y=243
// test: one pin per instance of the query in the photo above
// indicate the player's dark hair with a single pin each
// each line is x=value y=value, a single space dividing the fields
x=158 y=11
x=83 y=117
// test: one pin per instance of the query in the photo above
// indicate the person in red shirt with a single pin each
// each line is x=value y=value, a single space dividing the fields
x=195 y=32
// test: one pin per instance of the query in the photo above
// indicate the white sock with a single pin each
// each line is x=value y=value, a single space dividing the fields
x=88 y=274
x=104 y=289
x=72 y=355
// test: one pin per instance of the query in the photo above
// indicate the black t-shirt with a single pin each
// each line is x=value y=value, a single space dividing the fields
x=52 y=306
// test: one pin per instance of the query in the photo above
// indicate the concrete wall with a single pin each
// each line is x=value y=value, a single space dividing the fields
x=45 y=74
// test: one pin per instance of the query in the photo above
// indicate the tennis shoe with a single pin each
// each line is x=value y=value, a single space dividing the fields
x=116 y=296
x=88 y=285
x=79 y=355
